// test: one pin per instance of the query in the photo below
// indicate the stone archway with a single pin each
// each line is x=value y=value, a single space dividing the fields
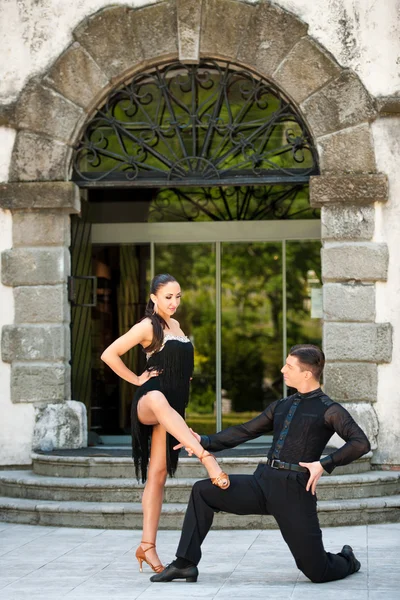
x=51 y=111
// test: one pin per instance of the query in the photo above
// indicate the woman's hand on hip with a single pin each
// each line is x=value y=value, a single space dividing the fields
x=146 y=375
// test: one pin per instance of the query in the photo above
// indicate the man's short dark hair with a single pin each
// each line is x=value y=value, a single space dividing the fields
x=310 y=357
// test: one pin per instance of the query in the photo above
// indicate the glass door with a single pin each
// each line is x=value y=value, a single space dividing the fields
x=251 y=328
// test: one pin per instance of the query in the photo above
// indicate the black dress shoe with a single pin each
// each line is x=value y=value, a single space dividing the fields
x=347 y=552
x=171 y=572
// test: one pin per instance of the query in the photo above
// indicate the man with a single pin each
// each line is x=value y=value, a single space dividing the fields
x=285 y=485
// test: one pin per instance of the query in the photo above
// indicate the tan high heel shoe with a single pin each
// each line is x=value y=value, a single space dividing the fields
x=222 y=480
x=141 y=557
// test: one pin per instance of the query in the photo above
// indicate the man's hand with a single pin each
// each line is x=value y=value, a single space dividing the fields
x=189 y=450
x=316 y=470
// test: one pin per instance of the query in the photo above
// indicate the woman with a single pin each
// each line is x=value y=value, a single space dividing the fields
x=159 y=404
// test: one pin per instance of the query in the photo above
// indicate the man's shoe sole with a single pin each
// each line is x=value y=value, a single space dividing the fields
x=188 y=580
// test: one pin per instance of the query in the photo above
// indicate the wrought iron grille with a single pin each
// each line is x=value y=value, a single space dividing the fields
x=208 y=124
x=231 y=203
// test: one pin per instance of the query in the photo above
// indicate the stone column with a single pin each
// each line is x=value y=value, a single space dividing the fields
x=352 y=262
x=38 y=343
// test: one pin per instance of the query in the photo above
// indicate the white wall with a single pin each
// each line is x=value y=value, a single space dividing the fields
x=386 y=134
x=362 y=34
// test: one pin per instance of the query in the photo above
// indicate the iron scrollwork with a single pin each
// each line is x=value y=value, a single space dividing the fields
x=181 y=124
x=231 y=203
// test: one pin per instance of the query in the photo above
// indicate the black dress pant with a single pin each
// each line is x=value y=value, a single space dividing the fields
x=268 y=491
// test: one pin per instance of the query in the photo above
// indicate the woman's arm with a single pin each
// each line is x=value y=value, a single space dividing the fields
x=141 y=333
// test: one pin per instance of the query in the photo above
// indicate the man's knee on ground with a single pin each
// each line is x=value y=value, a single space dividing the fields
x=315 y=575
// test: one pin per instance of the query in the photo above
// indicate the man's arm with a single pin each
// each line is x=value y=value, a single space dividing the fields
x=237 y=434
x=339 y=420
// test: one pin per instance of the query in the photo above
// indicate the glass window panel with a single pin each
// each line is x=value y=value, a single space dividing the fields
x=252 y=344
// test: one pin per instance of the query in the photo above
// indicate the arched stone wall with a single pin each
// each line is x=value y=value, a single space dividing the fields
x=110 y=46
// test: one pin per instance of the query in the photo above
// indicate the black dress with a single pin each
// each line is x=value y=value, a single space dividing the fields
x=175 y=362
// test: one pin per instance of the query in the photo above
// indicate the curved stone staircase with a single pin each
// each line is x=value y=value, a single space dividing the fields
x=101 y=491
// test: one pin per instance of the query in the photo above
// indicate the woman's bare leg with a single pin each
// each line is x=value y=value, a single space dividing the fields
x=154 y=408
x=154 y=490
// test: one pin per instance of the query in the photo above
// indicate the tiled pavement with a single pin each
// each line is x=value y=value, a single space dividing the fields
x=94 y=564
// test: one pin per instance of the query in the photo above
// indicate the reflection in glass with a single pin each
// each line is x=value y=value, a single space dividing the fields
x=303 y=274
x=251 y=280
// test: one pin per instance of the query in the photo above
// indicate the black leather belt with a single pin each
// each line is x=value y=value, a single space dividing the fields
x=278 y=464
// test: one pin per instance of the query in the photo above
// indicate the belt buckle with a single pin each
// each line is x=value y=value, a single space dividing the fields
x=274 y=460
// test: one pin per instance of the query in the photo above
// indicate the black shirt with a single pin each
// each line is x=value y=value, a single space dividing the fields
x=302 y=424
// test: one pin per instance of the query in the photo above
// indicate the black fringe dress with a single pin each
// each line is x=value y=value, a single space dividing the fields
x=175 y=360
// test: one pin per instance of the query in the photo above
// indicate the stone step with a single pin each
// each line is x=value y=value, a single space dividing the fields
x=122 y=467
x=26 y=484
x=384 y=509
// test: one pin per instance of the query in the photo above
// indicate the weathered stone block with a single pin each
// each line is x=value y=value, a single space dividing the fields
x=35 y=266
x=268 y=37
x=41 y=304
x=60 y=195
x=351 y=381
x=349 y=150
x=341 y=103
x=42 y=110
x=306 y=68
x=365 y=261
x=62 y=425
x=35 y=342
x=77 y=77
x=189 y=20
x=112 y=39
x=349 y=302
x=223 y=26
x=351 y=189
x=352 y=223
x=364 y=414
x=358 y=342
x=35 y=228
x=40 y=382
x=157 y=26
x=37 y=158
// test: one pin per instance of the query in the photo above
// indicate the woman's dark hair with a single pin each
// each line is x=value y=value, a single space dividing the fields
x=158 y=322
x=310 y=357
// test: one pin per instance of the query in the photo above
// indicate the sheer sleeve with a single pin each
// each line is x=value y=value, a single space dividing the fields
x=340 y=421
x=237 y=434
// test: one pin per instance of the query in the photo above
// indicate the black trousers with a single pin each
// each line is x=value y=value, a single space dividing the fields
x=268 y=491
